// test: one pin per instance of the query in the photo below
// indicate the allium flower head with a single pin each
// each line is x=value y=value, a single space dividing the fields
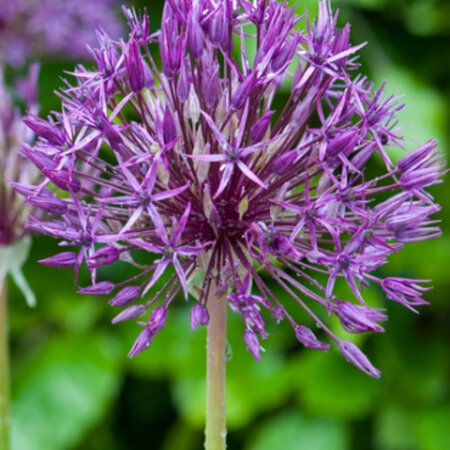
x=50 y=27
x=14 y=168
x=196 y=163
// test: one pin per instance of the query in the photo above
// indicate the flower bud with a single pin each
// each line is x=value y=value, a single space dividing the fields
x=183 y=85
x=170 y=47
x=342 y=44
x=218 y=32
x=157 y=319
x=358 y=319
x=139 y=74
x=169 y=128
x=40 y=160
x=283 y=162
x=417 y=179
x=64 y=259
x=44 y=129
x=125 y=296
x=418 y=157
x=130 y=313
x=308 y=338
x=210 y=86
x=102 y=288
x=243 y=92
x=284 y=55
x=259 y=129
x=355 y=356
x=103 y=257
x=63 y=179
x=51 y=204
x=199 y=316
x=343 y=143
x=252 y=344
x=195 y=37
x=142 y=342
x=405 y=291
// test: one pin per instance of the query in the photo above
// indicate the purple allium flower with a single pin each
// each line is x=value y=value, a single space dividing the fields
x=13 y=167
x=14 y=239
x=52 y=27
x=203 y=164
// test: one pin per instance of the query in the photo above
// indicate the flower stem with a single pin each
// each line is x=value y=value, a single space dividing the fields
x=215 y=431
x=4 y=370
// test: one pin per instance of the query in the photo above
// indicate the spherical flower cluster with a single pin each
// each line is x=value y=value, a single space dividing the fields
x=52 y=27
x=14 y=239
x=193 y=170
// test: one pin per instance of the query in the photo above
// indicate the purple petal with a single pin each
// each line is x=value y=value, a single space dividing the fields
x=181 y=225
x=244 y=91
x=160 y=268
x=141 y=343
x=355 y=356
x=226 y=176
x=217 y=134
x=64 y=259
x=249 y=174
x=199 y=316
x=252 y=344
x=102 y=288
x=157 y=320
x=125 y=296
x=103 y=257
x=309 y=339
x=130 y=313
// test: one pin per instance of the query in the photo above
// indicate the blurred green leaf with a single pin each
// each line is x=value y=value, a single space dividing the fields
x=182 y=437
x=416 y=360
x=402 y=428
x=433 y=428
x=424 y=113
x=189 y=394
x=63 y=391
x=75 y=311
x=290 y=431
x=329 y=385
x=394 y=429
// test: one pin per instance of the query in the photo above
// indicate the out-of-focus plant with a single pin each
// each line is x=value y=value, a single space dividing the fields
x=36 y=28
x=222 y=188
x=14 y=238
x=421 y=17
x=14 y=168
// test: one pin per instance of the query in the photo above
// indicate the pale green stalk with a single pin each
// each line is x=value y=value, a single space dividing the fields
x=4 y=370
x=216 y=431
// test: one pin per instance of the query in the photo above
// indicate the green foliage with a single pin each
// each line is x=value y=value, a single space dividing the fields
x=290 y=431
x=400 y=428
x=63 y=390
x=327 y=385
x=424 y=112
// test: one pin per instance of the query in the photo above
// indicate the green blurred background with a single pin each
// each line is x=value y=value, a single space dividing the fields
x=75 y=388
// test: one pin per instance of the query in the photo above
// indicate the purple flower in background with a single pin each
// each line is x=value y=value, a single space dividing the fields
x=30 y=28
x=14 y=168
x=234 y=170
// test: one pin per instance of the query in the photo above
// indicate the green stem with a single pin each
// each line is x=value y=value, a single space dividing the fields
x=4 y=370
x=216 y=430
